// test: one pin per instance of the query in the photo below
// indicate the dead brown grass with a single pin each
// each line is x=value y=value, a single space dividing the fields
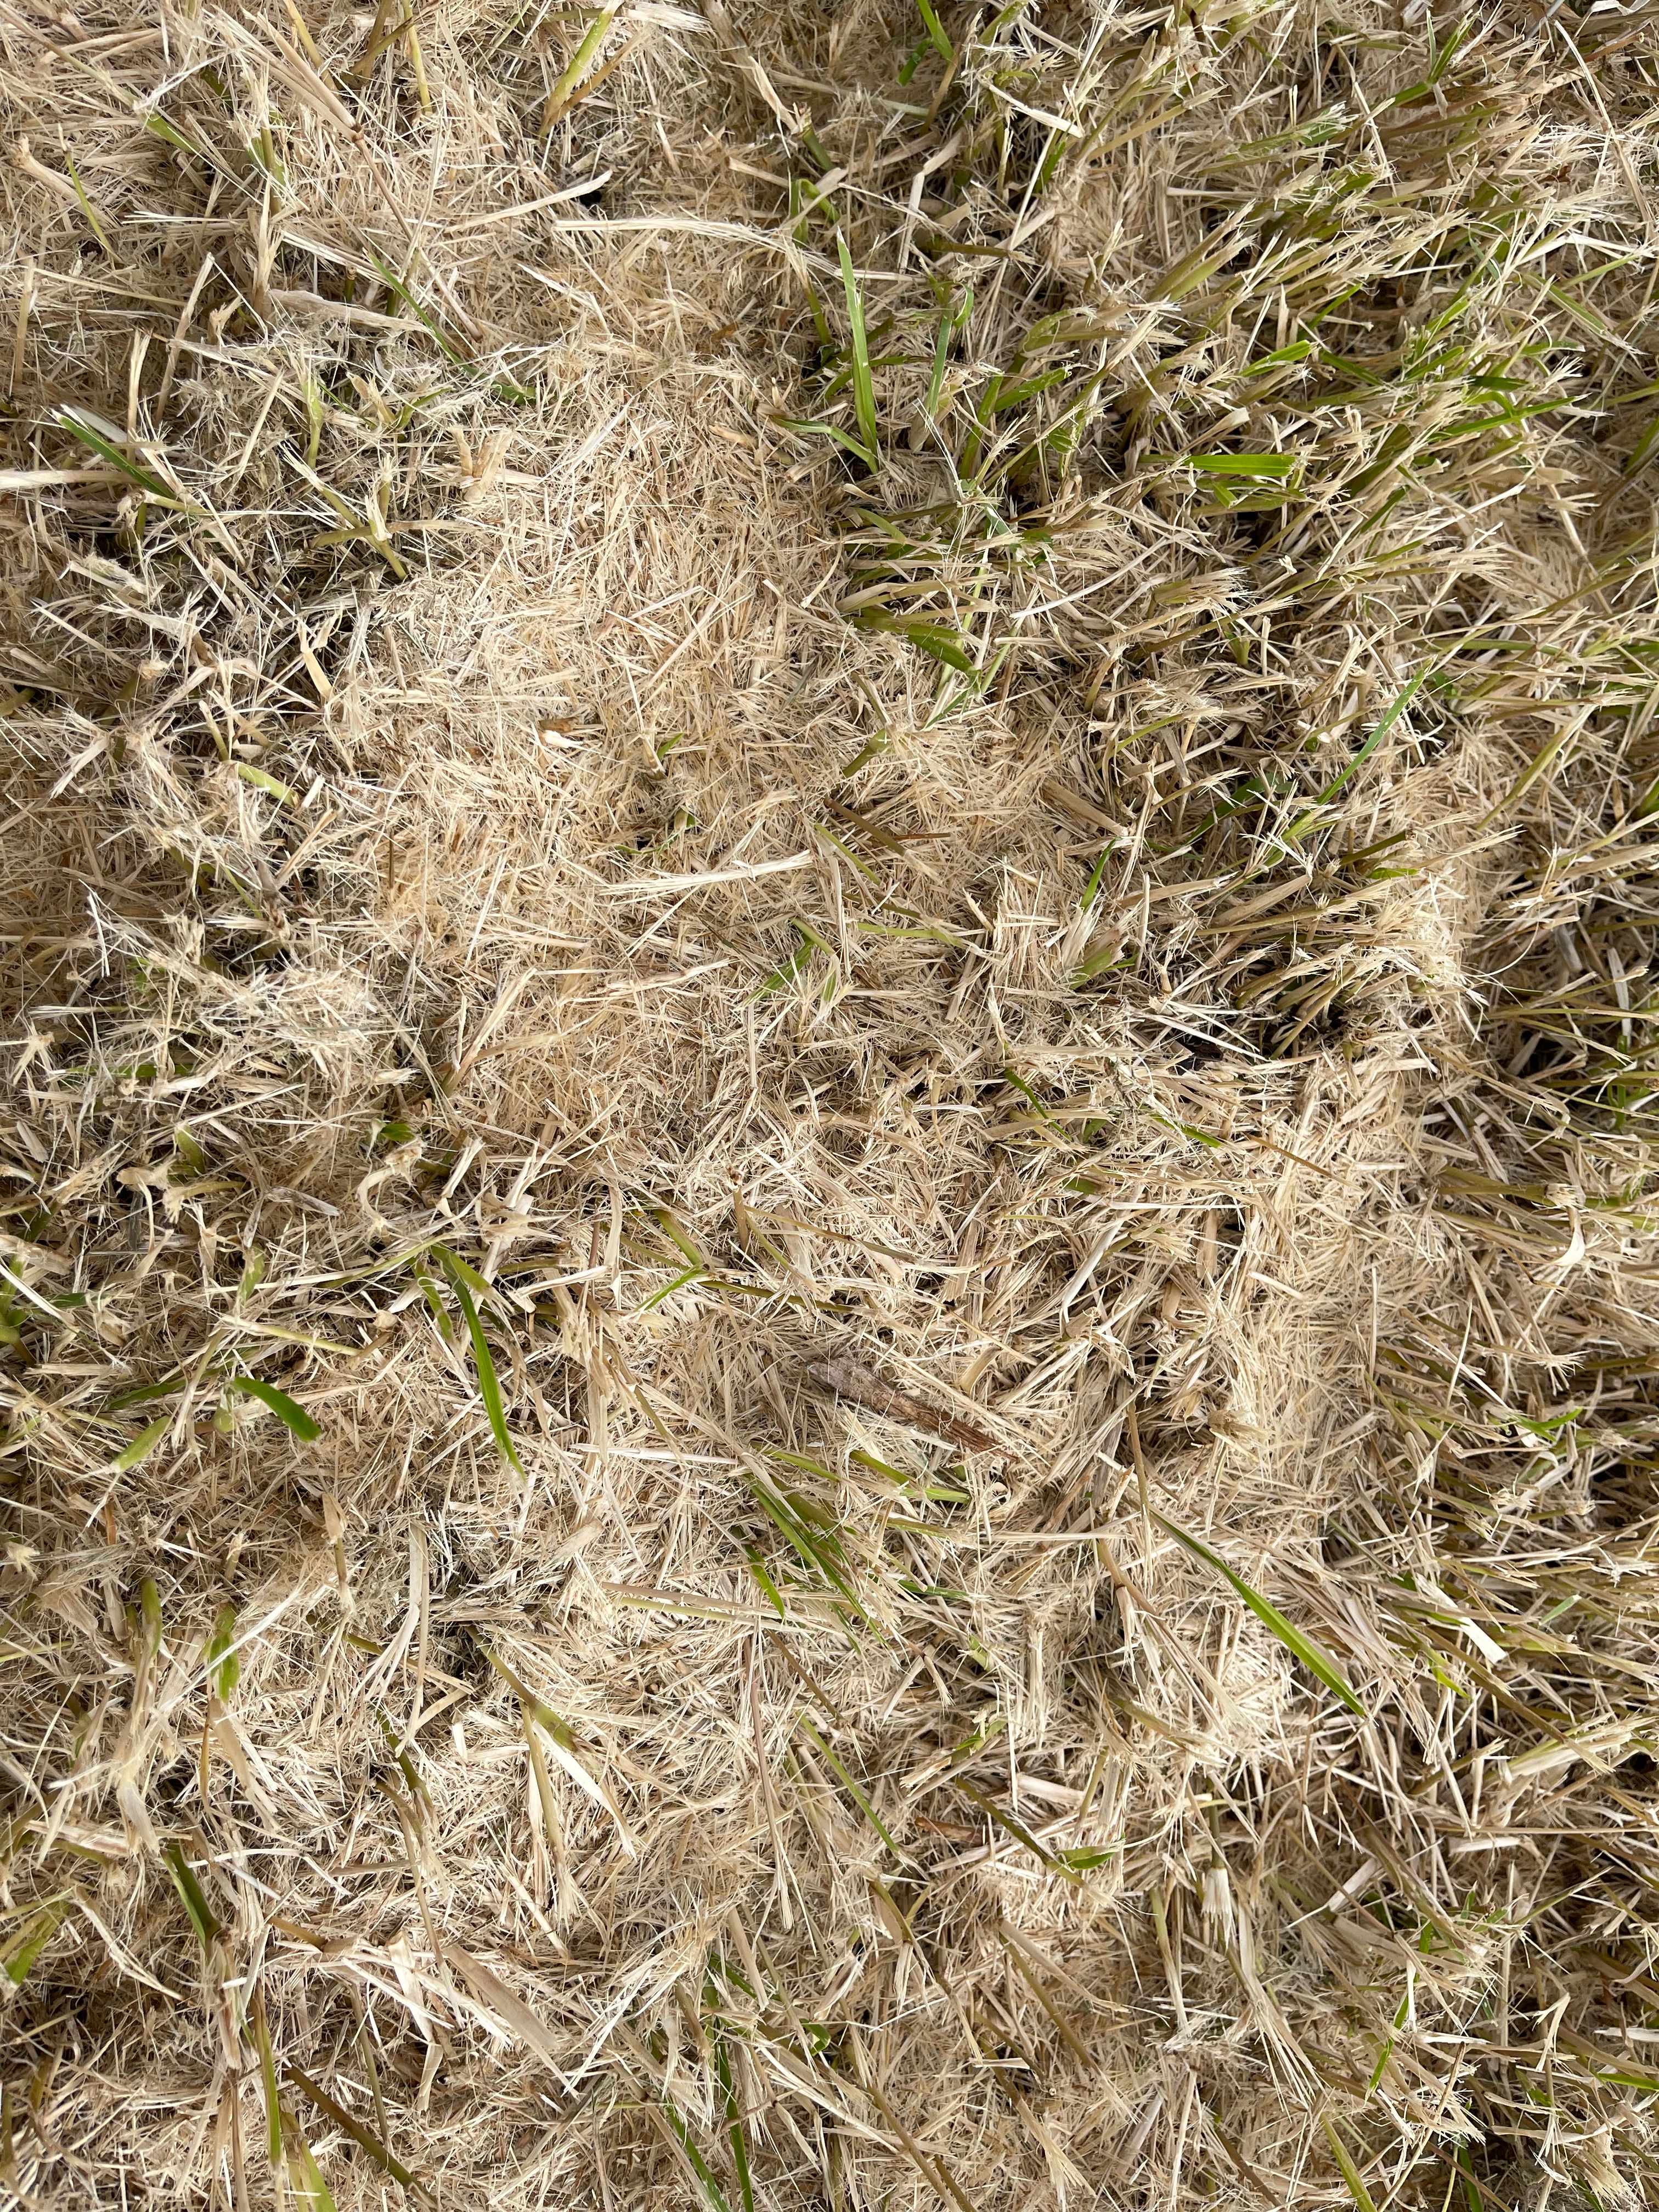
x=828 y=1293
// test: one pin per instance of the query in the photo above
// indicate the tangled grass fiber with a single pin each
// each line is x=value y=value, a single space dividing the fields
x=828 y=1276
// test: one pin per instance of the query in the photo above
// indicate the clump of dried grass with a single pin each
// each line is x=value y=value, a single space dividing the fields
x=828 y=1298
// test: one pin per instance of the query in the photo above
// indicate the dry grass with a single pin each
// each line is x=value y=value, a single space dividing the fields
x=828 y=1303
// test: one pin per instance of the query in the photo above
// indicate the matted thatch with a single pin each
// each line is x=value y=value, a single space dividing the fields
x=828 y=1308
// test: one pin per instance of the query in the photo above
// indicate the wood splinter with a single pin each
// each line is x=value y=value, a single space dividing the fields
x=848 y=1378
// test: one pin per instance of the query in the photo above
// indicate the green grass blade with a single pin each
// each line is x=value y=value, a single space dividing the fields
x=1243 y=465
x=86 y=208
x=1018 y=1830
x=1365 y=752
x=804 y=429
x=100 y=437
x=292 y=1415
x=455 y=1268
x=488 y=1388
x=264 y=781
x=864 y=389
x=1351 y=2173
x=149 y=1611
x=950 y=321
x=38 y=1933
x=936 y=32
x=775 y=1596
x=1473 y=2199
x=365 y=2138
x=912 y=60
x=171 y=135
x=142 y=1444
x=268 y=2081
x=824 y=1552
x=309 y=2180
x=711 y=2188
x=1300 y=1646
x=735 y=2123
x=687 y=1275
x=224 y=1664
x=428 y=321
x=195 y=1903
x=941 y=354
x=932 y=638
x=863 y=1802
x=573 y=1756
x=559 y=98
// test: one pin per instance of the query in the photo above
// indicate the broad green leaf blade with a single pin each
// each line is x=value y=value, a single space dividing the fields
x=292 y=1415
x=1300 y=1646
